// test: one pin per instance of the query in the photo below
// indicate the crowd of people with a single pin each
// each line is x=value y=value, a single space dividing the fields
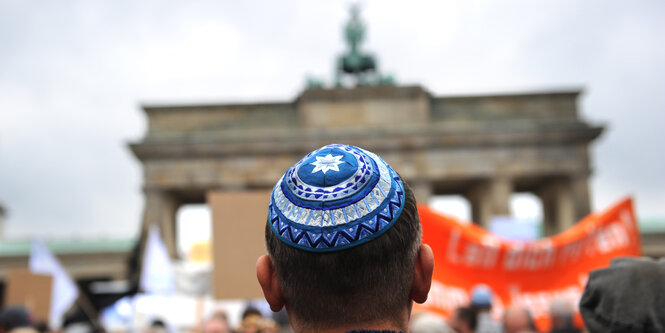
x=467 y=319
x=17 y=319
x=477 y=318
x=345 y=255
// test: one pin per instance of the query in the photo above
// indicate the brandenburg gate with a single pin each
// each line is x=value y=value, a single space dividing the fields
x=482 y=147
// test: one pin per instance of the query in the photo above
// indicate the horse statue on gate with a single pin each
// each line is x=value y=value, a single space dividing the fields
x=363 y=67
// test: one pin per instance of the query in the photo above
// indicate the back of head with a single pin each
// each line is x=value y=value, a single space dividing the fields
x=343 y=234
x=518 y=319
x=562 y=311
x=157 y=325
x=249 y=311
x=464 y=320
x=14 y=317
x=216 y=324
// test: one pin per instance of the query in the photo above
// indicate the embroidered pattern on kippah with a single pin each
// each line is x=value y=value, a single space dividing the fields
x=335 y=197
x=326 y=163
x=307 y=191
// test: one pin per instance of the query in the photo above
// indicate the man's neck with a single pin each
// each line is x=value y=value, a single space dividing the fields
x=377 y=326
x=374 y=331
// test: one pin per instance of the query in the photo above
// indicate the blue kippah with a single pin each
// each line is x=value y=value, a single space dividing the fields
x=336 y=197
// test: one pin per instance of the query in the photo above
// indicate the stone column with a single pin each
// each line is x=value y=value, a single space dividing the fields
x=480 y=208
x=581 y=197
x=489 y=198
x=501 y=188
x=160 y=209
x=558 y=205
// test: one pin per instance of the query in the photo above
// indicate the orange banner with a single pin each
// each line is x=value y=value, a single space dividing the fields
x=528 y=273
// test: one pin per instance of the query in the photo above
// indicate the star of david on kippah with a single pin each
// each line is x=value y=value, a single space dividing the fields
x=336 y=197
x=326 y=163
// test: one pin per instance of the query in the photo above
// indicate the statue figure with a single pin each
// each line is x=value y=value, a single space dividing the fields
x=363 y=67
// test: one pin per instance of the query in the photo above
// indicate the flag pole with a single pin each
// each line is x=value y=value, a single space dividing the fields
x=88 y=308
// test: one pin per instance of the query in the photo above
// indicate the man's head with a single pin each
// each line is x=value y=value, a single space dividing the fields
x=343 y=238
x=216 y=324
x=518 y=319
x=157 y=326
x=14 y=316
x=562 y=311
x=463 y=320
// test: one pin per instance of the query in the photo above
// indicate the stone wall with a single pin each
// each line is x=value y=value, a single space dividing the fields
x=558 y=106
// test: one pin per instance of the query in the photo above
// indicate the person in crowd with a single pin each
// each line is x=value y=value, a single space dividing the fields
x=253 y=321
x=344 y=245
x=627 y=296
x=562 y=312
x=481 y=303
x=425 y=322
x=42 y=326
x=463 y=320
x=251 y=311
x=157 y=325
x=16 y=319
x=217 y=323
x=518 y=319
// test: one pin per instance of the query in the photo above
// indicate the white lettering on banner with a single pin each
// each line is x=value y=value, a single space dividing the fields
x=491 y=245
x=571 y=252
x=602 y=240
x=627 y=218
x=611 y=238
x=529 y=258
x=590 y=243
x=472 y=254
x=452 y=246
x=446 y=297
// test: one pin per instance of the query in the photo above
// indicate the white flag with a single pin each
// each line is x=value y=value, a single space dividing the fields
x=157 y=274
x=64 y=291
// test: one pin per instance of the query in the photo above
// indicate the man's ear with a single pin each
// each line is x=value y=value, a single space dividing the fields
x=265 y=273
x=422 y=275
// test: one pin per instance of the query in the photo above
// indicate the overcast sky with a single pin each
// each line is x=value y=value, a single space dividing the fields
x=73 y=75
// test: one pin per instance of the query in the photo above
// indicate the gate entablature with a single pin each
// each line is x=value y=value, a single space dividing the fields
x=482 y=147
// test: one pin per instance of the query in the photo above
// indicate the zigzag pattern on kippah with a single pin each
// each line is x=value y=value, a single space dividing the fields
x=338 y=238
